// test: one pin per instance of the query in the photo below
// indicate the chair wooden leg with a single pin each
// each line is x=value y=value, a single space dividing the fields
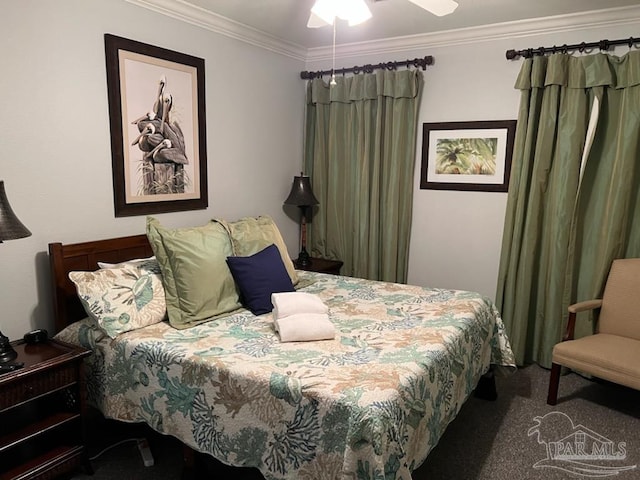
x=554 y=382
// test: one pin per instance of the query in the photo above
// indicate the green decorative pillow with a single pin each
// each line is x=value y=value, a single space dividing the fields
x=251 y=235
x=121 y=299
x=197 y=281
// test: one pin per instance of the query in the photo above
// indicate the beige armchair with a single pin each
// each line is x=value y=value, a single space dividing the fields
x=613 y=352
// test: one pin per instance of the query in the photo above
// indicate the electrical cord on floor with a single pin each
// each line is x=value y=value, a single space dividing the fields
x=143 y=447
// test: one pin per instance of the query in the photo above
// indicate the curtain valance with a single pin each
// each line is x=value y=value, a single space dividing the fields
x=598 y=70
x=348 y=89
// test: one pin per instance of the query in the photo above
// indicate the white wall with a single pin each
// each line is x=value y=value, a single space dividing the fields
x=55 y=155
x=456 y=236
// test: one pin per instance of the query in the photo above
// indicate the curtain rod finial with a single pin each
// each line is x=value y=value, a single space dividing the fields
x=511 y=54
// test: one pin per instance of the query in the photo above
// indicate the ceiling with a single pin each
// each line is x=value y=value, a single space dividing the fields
x=286 y=19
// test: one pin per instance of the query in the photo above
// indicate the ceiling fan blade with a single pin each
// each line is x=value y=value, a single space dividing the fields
x=437 y=7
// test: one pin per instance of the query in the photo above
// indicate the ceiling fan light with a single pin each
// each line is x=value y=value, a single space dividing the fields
x=324 y=12
x=316 y=22
x=439 y=8
x=355 y=11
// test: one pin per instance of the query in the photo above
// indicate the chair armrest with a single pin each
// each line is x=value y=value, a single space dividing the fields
x=584 y=306
x=577 y=308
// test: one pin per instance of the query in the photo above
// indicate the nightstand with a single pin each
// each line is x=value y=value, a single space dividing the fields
x=321 y=265
x=42 y=407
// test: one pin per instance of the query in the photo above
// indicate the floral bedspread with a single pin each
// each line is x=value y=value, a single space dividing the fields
x=369 y=404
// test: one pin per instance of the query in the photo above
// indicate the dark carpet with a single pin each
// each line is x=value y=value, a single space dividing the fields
x=488 y=440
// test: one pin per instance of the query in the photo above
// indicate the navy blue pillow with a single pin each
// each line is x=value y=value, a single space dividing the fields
x=258 y=276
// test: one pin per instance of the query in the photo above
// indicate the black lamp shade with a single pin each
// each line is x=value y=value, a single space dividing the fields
x=10 y=227
x=301 y=194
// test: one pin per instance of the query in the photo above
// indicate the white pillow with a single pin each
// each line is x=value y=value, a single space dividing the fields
x=121 y=299
x=138 y=262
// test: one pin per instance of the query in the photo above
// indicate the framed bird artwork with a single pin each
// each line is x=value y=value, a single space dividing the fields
x=158 y=132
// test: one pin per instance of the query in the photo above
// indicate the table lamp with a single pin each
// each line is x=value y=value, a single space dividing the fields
x=10 y=229
x=302 y=196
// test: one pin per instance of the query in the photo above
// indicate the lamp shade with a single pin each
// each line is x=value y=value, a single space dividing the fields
x=301 y=194
x=10 y=227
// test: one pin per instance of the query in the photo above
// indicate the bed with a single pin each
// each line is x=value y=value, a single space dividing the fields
x=369 y=404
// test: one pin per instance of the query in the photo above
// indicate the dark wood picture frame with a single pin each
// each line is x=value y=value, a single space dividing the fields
x=472 y=156
x=150 y=178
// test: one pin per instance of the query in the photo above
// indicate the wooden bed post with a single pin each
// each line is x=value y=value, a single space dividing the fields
x=188 y=463
x=486 y=388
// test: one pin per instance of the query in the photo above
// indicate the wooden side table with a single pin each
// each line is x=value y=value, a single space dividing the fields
x=42 y=408
x=321 y=265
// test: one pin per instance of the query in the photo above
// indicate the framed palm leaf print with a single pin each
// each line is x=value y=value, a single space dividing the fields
x=473 y=156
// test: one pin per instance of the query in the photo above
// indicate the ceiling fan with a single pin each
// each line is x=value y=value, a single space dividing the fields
x=324 y=12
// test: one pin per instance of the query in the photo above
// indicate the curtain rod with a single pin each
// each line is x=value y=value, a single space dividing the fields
x=416 y=62
x=603 y=45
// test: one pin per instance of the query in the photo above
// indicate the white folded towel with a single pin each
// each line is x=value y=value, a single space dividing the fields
x=305 y=327
x=291 y=303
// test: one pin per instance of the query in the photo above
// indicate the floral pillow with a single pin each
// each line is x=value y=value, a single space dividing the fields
x=121 y=299
x=85 y=333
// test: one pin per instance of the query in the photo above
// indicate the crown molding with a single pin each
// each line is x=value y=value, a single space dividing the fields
x=189 y=13
x=499 y=31
x=200 y=17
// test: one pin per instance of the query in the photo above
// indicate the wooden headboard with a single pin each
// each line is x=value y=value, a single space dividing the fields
x=85 y=256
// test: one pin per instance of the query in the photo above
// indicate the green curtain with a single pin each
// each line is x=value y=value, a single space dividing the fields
x=360 y=144
x=573 y=193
